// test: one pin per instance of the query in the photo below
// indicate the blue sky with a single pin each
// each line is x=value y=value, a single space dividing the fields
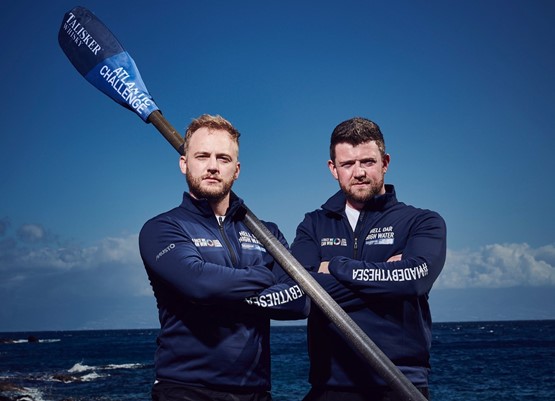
x=464 y=93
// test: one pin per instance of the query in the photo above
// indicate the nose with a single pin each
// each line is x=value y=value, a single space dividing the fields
x=212 y=165
x=359 y=171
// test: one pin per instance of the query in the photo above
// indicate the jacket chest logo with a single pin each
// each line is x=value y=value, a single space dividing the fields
x=333 y=242
x=380 y=236
x=249 y=241
x=206 y=242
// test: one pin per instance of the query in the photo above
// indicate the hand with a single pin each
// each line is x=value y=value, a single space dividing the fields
x=395 y=258
x=324 y=268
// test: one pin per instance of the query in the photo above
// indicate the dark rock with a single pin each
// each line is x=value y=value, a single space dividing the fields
x=10 y=391
x=65 y=378
x=33 y=339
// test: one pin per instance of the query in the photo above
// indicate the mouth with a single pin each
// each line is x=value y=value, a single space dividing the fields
x=360 y=183
x=211 y=179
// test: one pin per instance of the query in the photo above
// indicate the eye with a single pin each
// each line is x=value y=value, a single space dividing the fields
x=224 y=159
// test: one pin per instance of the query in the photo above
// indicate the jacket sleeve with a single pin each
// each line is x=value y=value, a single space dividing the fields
x=422 y=261
x=285 y=300
x=306 y=249
x=170 y=256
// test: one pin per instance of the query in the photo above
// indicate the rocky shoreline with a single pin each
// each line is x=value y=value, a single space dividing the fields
x=30 y=339
x=13 y=392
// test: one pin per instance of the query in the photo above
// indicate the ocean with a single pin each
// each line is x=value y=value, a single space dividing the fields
x=509 y=360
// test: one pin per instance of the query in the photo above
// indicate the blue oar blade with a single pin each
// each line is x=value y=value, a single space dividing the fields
x=98 y=56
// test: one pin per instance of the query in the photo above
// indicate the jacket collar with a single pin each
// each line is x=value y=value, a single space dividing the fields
x=202 y=207
x=336 y=204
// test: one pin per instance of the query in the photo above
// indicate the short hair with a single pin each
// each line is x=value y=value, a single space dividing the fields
x=211 y=122
x=356 y=131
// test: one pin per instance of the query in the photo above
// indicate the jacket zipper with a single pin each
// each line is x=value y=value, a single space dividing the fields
x=226 y=240
x=355 y=234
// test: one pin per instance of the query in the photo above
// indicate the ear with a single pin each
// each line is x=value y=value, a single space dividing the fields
x=183 y=164
x=385 y=163
x=237 y=170
x=333 y=170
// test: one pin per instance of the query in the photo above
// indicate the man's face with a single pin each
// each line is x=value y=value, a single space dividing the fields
x=211 y=164
x=360 y=171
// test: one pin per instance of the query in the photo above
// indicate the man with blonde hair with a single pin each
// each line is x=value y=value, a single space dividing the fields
x=215 y=285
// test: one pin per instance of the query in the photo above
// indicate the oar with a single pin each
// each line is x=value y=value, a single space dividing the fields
x=99 y=57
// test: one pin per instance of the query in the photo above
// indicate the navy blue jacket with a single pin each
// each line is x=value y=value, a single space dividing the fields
x=387 y=300
x=216 y=289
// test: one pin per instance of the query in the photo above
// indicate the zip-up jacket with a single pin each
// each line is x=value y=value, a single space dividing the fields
x=216 y=289
x=387 y=300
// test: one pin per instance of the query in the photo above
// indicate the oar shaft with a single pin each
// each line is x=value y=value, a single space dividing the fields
x=167 y=130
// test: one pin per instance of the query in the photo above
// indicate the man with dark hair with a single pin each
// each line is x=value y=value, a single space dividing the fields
x=215 y=285
x=378 y=258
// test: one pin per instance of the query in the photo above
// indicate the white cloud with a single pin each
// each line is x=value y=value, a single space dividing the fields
x=25 y=262
x=31 y=232
x=111 y=250
x=47 y=284
x=499 y=266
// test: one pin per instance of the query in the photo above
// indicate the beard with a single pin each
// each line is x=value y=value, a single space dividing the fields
x=212 y=193
x=362 y=195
